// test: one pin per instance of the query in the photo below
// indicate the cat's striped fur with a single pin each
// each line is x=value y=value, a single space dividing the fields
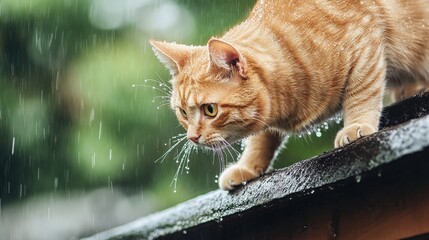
x=293 y=63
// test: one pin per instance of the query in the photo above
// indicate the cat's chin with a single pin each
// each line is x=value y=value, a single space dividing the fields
x=215 y=146
x=229 y=141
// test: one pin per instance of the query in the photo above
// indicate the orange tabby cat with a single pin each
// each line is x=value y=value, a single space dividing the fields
x=294 y=63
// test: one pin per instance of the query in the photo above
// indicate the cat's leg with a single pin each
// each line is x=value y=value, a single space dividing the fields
x=254 y=161
x=363 y=98
x=408 y=90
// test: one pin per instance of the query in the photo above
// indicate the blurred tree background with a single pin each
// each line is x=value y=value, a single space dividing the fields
x=70 y=118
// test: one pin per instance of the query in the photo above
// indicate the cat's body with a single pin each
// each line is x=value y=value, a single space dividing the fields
x=293 y=63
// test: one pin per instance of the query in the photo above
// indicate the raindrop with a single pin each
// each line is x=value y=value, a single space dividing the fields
x=242 y=145
x=93 y=161
x=99 y=130
x=338 y=120
x=13 y=145
x=55 y=183
x=110 y=154
x=184 y=232
x=318 y=134
x=325 y=125
x=58 y=74
x=312 y=191
x=309 y=133
x=358 y=178
x=91 y=116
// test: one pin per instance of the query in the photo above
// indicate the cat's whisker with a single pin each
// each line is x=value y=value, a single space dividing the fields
x=238 y=122
x=176 y=142
x=230 y=154
x=262 y=117
x=218 y=150
x=163 y=82
x=186 y=155
x=178 y=137
x=163 y=104
x=167 y=92
x=164 y=101
x=163 y=98
x=230 y=146
x=261 y=121
x=254 y=118
x=183 y=156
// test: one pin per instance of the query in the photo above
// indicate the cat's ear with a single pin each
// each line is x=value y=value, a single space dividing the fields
x=226 y=56
x=173 y=56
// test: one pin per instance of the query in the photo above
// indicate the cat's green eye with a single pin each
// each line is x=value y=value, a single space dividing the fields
x=183 y=112
x=210 y=109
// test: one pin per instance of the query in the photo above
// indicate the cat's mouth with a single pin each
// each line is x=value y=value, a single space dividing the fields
x=215 y=146
x=224 y=143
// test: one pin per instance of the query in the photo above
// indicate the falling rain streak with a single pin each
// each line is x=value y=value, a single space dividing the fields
x=13 y=145
x=99 y=130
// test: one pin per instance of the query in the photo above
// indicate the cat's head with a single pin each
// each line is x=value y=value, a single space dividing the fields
x=216 y=94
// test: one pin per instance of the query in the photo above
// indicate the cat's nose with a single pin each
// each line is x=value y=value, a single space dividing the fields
x=194 y=138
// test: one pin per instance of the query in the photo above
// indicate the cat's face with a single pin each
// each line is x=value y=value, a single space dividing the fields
x=213 y=93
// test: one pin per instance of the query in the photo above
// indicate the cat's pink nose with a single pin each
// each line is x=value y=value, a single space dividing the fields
x=194 y=138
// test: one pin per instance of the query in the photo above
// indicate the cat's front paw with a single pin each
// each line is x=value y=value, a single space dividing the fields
x=236 y=175
x=352 y=133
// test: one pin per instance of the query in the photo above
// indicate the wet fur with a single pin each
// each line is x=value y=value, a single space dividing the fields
x=293 y=63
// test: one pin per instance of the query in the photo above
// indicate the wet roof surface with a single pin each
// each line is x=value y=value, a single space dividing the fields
x=405 y=131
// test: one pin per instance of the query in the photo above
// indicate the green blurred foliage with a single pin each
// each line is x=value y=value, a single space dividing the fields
x=70 y=119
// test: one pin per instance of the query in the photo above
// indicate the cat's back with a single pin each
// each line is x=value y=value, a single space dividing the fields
x=403 y=25
x=290 y=11
x=406 y=27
